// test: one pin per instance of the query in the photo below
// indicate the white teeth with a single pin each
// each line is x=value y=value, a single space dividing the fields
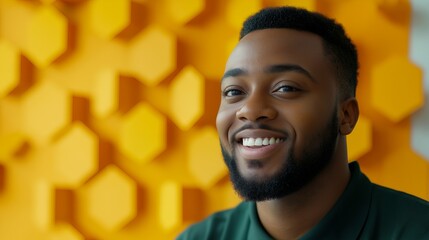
x=258 y=142
x=265 y=142
x=251 y=142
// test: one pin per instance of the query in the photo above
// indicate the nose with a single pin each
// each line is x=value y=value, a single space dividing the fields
x=256 y=108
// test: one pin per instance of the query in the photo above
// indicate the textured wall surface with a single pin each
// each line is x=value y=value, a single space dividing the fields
x=107 y=109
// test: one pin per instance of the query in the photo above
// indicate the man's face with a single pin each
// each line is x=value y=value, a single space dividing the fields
x=278 y=120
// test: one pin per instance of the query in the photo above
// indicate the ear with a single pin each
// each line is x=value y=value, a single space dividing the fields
x=349 y=114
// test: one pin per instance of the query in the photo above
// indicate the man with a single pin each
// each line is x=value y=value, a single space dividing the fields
x=288 y=102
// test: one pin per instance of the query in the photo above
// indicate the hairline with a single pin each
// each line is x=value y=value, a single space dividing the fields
x=343 y=89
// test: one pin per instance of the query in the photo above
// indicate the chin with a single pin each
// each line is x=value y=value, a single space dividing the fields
x=255 y=171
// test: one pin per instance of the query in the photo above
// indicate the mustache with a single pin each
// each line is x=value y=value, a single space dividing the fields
x=254 y=126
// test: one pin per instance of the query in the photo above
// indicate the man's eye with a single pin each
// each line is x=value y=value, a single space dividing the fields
x=287 y=89
x=232 y=92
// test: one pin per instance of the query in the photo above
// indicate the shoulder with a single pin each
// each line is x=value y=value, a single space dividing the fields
x=217 y=224
x=405 y=214
x=400 y=200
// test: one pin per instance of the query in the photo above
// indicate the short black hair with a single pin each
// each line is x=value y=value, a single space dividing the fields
x=336 y=42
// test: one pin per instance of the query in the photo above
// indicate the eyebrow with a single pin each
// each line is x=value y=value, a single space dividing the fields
x=235 y=72
x=278 y=68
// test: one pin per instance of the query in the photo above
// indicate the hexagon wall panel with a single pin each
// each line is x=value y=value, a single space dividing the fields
x=143 y=133
x=237 y=11
x=9 y=67
x=46 y=110
x=206 y=168
x=359 y=142
x=170 y=212
x=187 y=97
x=392 y=9
x=182 y=11
x=387 y=93
x=75 y=156
x=111 y=198
x=152 y=55
x=177 y=205
x=307 y=4
x=124 y=95
x=42 y=199
x=105 y=93
x=47 y=36
x=64 y=231
x=108 y=18
x=10 y=144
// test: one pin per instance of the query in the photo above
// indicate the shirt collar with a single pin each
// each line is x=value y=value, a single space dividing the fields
x=256 y=231
x=344 y=221
x=347 y=218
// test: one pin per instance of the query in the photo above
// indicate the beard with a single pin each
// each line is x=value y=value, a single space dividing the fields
x=293 y=174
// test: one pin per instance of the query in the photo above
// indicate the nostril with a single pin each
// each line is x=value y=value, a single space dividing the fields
x=256 y=109
x=262 y=118
x=242 y=118
x=254 y=117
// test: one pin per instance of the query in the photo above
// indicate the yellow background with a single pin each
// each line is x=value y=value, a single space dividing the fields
x=107 y=111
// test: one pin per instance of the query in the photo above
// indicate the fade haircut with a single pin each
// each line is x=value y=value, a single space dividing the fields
x=337 y=44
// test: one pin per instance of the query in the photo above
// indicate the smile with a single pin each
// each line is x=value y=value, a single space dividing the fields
x=257 y=142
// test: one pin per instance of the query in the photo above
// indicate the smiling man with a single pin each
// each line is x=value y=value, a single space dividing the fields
x=288 y=102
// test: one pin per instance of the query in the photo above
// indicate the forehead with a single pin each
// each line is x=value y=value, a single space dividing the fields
x=262 y=48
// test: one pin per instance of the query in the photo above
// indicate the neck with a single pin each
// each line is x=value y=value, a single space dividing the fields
x=292 y=216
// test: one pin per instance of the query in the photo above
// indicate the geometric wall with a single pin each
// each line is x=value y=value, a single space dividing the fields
x=107 y=109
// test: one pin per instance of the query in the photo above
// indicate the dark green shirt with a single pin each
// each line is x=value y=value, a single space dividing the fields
x=364 y=211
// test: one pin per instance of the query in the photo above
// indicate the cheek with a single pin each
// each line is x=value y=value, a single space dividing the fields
x=224 y=120
x=307 y=121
